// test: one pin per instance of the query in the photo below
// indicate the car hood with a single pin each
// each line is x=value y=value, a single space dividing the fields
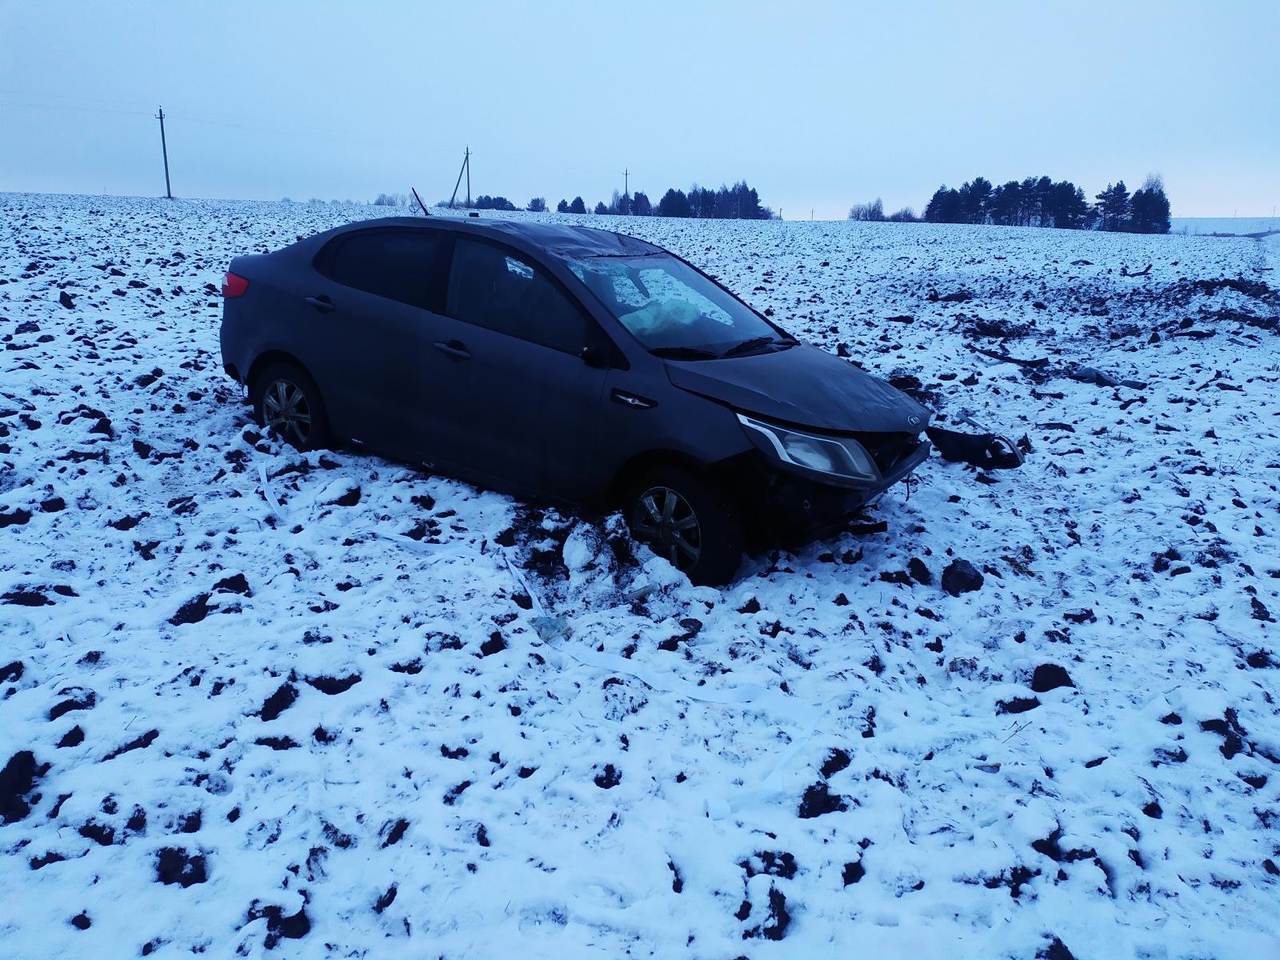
x=804 y=386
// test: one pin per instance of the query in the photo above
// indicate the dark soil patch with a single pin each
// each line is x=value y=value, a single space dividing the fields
x=18 y=782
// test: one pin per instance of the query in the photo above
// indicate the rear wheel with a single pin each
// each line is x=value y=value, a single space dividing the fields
x=688 y=522
x=287 y=403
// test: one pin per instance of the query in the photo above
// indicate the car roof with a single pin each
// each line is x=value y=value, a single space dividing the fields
x=561 y=239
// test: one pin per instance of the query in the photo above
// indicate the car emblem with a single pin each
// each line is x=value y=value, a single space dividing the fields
x=914 y=421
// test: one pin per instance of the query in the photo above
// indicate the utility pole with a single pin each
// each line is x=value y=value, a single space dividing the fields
x=466 y=168
x=165 y=150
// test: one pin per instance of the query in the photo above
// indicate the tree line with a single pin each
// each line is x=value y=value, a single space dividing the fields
x=739 y=202
x=1033 y=202
x=482 y=202
x=1042 y=202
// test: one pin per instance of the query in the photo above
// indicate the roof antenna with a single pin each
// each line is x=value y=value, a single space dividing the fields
x=425 y=211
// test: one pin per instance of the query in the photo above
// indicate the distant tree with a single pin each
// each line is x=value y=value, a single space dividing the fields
x=640 y=205
x=1149 y=208
x=601 y=208
x=739 y=202
x=702 y=201
x=905 y=215
x=974 y=197
x=1065 y=207
x=577 y=206
x=1053 y=200
x=873 y=211
x=1040 y=202
x=390 y=200
x=1113 y=207
x=1005 y=205
x=696 y=200
x=944 y=207
x=537 y=205
x=674 y=203
x=1036 y=201
x=562 y=206
x=485 y=202
x=707 y=203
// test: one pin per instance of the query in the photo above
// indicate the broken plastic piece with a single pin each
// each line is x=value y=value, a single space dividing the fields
x=991 y=451
x=640 y=592
x=549 y=628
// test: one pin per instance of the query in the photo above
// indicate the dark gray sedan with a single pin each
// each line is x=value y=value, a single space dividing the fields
x=570 y=365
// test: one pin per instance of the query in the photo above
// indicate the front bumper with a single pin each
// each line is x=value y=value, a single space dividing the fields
x=784 y=508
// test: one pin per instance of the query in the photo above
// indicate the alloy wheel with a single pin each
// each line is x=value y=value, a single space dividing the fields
x=286 y=412
x=665 y=520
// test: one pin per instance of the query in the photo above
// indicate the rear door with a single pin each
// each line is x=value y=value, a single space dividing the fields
x=389 y=383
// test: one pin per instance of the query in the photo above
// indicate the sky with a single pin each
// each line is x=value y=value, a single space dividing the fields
x=817 y=105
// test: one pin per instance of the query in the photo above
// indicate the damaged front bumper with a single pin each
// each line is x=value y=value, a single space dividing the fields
x=785 y=507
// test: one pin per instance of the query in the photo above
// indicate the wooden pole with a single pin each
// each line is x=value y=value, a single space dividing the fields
x=164 y=149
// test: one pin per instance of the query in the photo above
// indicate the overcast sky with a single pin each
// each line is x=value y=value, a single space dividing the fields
x=818 y=105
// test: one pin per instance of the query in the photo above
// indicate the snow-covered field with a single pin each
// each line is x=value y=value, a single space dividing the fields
x=1225 y=226
x=254 y=703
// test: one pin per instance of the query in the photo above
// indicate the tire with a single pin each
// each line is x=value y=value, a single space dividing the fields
x=287 y=404
x=688 y=522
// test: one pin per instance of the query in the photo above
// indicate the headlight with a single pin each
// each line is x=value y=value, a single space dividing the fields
x=839 y=457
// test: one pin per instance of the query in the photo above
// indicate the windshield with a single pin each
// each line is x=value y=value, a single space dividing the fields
x=675 y=311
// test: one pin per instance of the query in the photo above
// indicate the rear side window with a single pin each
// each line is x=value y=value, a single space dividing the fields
x=403 y=265
x=499 y=289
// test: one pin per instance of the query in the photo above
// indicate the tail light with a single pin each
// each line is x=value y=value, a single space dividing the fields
x=234 y=285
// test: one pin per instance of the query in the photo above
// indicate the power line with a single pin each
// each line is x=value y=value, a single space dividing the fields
x=70 y=106
x=38 y=94
x=239 y=122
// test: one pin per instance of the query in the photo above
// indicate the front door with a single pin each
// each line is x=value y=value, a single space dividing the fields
x=530 y=402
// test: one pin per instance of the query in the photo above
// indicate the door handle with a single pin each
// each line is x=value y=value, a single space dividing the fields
x=454 y=348
x=321 y=303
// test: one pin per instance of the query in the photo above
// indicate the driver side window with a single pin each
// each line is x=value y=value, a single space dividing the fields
x=498 y=289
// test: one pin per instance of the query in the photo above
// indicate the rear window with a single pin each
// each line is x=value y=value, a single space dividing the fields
x=403 y=265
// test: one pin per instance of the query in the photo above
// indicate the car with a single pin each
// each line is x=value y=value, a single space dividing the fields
x=568 y=365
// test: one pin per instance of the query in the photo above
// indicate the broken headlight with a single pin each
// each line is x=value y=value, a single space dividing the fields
x=840 y=458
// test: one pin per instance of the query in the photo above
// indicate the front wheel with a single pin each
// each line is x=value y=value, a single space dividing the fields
x=287 y=403
x=687 y=522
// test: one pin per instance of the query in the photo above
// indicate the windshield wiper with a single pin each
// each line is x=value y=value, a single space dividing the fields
x=755 y=343
x=684 y=353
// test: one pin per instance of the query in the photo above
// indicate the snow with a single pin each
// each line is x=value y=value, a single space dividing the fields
x=349 y=709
